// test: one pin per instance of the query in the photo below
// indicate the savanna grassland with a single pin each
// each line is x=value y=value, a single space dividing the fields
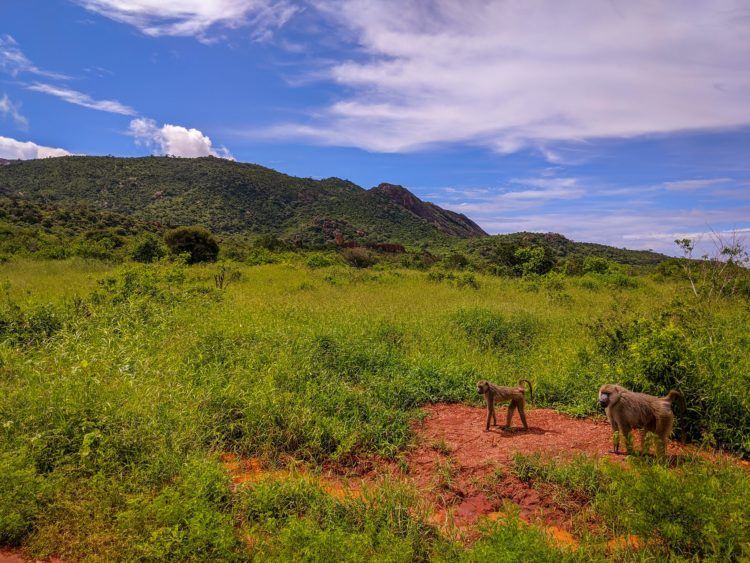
x=122 y=386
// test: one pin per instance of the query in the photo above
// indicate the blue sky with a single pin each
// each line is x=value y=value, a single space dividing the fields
x=626 y=123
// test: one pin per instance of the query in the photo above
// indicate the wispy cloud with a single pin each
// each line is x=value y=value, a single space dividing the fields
x=196 y=17
x=13 y=149
x=14 y=62
x=13 y=110
x=81 y=99
x=689 y=185
x=174 y=139
x=512 y=74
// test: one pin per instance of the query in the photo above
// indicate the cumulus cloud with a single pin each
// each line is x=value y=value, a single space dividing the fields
x=509 y=74
x=13 y=110
x=174 y=140
x=81 y=99
x=13 y=61
x=13 y=149
x=195 y=17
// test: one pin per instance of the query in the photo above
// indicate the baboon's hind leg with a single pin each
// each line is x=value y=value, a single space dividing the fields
x=511 y=410
x=522 y=414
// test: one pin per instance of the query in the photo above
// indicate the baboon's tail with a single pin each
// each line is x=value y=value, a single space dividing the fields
x=531 y=390
x=671 y=396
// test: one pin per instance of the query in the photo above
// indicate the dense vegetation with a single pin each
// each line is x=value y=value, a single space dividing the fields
x=122 y=386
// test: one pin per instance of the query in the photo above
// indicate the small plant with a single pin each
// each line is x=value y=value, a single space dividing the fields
x=441 y=447
x=226 y=275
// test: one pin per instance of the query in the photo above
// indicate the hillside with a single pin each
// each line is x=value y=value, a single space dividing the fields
x=233 y=197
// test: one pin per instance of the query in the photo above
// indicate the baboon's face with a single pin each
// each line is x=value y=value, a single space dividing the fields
x=482 y=387
x=608 y=395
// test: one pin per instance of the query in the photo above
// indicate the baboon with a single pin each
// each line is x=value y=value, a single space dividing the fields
x=515 y=395
x=627 y=410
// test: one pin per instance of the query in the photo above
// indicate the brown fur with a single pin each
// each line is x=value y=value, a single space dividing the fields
x=516 y=395
x=627 y=410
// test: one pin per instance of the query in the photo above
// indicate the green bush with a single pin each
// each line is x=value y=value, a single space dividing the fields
x=148 y=248
x=596 y=265
x=198 y=243
x=514 y=540
x=307 y=524
x=22 y=494
x=317 y=260
x=188 y=519
x=697 y=511
x=492 y=330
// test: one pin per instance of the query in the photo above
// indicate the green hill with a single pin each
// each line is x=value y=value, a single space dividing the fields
x=83 y=195
x=232 y=197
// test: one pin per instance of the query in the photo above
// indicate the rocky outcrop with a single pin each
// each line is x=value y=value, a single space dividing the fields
x=448 y=222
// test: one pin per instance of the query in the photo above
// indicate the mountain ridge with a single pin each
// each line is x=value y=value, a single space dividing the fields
x=232 y=197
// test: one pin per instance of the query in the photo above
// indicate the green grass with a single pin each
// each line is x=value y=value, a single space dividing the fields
x=112 y=413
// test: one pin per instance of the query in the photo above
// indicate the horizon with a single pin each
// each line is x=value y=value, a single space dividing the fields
x=621 y=124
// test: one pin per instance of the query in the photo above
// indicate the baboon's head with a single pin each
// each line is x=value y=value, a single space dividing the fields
x=609 y=394
x=482 y=386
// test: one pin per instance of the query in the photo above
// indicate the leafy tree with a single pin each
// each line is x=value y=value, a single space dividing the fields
x=197 y=242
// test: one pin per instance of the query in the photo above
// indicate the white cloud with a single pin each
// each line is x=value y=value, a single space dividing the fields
x=13 y=149
x=195 y=17
x=515 y=73
x=174 y=139
x=81 y=99
x=682 y=185
x=13 y=61
x=13 y=110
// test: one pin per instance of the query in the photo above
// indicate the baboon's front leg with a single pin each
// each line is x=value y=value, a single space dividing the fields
x=490 y=412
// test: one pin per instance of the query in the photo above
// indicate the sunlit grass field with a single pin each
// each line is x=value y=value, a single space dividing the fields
x=120 y=386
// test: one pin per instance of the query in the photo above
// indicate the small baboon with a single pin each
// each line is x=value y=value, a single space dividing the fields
x=515 y=395
x=627 y=410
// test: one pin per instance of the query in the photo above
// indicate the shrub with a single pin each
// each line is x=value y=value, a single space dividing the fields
x=456 y=261
x=198 y=243
x=596 y=265
x=272 y=243
x=358 y=257
x=533 y=260
x=697 y=511
x=319 y=260
x=21 y=493
x=492 y=330
x=148 y=248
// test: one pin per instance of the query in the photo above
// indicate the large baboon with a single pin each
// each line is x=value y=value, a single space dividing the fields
x=627 y=410
x=516 y=396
